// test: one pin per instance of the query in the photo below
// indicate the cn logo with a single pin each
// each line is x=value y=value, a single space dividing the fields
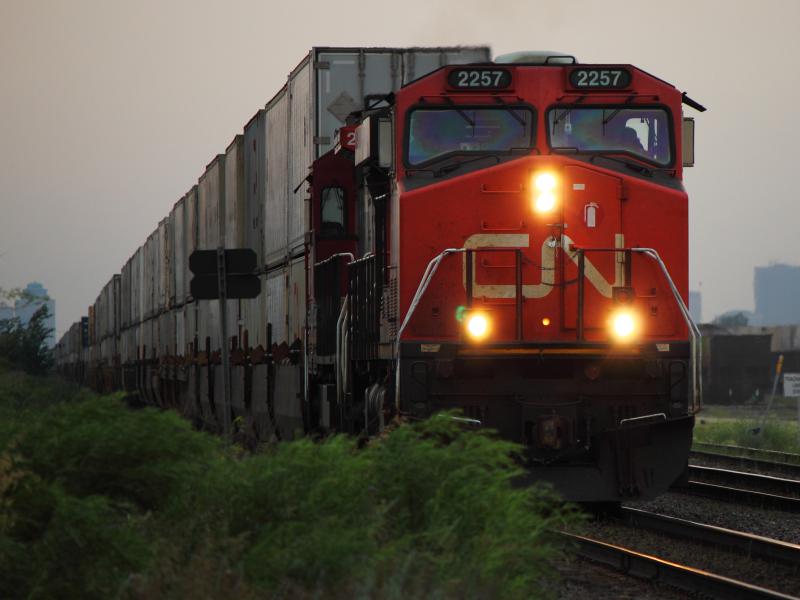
x=590 y=214
x=546 y=262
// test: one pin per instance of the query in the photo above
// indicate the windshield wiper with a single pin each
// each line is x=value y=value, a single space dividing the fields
x=459 y=111
x=511 y=110
x=613 y=114
x=563 y=115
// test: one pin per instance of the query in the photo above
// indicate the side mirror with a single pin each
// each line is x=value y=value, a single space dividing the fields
x=688 y=141
x=374 y=141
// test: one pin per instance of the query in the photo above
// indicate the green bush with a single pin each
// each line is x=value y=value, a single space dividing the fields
x=99 y=500
x=429 y=510
x=98 y=447
x=25 y=346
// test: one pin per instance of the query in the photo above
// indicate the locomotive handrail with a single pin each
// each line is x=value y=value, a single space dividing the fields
x=697 y=350
x=341 y=357
x=340 y=350
x=652 y=253
x=335 y=256
x=430 y=271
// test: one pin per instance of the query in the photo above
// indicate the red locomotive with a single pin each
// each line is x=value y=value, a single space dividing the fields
x=529 y=266
x=505 y=238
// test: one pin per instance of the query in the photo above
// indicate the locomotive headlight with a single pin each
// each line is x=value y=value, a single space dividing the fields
x=545 y=202
x=545 y=182
x=477 y=326
x=545 y=187
x=623 y=325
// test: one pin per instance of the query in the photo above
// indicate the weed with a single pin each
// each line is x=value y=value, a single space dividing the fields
x=99 y=500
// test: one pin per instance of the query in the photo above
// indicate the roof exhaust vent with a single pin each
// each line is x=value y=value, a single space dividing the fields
x=536 y=57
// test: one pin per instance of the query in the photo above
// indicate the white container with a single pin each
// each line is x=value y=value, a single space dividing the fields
x=296 y=301
x=253 y=317
x=126 y=295
x=164 y=259
x=179 y=258
x=300 y=152
x=190 y=328
x=137 y=286
x=234 y=222
x=210 y=235
x=190 y=233
x=150 y=275
x=277 y=181
x=275 y=288
x=180 y=328
x=211 y=204
x=166 y=334
x=234 y=195
x=254 y=155
x=117 y=306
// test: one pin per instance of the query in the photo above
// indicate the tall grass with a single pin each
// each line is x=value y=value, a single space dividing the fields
x=101 y=501
x=772 y=434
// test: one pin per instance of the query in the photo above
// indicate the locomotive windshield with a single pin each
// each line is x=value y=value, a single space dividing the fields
x=643 y=132
x=436 y=132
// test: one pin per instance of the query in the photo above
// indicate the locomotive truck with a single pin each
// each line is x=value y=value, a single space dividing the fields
x=434 y=230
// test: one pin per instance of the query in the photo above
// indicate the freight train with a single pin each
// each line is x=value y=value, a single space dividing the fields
x=433 y=230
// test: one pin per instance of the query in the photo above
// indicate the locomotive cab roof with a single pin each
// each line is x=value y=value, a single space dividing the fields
x=536 y=57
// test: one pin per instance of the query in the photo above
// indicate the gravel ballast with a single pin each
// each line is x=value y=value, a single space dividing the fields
x=768 y=523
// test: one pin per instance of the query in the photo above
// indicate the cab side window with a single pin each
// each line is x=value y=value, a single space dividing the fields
x=333 y=212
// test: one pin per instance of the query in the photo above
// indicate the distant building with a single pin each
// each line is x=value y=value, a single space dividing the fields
x=35 y=297
x=777 y=292
x=696 y=306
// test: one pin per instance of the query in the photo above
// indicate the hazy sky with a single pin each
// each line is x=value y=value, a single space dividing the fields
x=110 y=110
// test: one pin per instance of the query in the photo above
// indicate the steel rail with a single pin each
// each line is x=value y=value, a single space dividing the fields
x=751 y=452
x=739 y=496
x=740 y=541
x=741 y=479
x=744 y=462
x=652 y=568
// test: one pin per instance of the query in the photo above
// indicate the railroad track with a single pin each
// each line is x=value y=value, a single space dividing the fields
x=652 y=568
x=715 y=483
x=744 y=488
x=743 y=543
x=744 y=462
x=746 y=452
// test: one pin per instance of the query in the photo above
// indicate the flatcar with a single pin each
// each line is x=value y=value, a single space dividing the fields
x=434 y=230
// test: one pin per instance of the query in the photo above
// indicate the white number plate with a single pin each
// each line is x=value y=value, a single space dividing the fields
x=479 y=79
x=599 y=78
